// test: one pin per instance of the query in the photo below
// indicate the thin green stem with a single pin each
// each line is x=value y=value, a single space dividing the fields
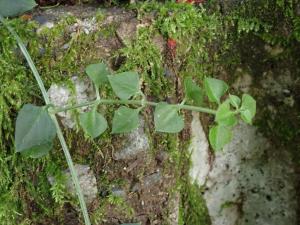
x=72 y=170
x=29 y=60
x=50 y=6
x=130 y=102
x=58 y=129
x=97 y=92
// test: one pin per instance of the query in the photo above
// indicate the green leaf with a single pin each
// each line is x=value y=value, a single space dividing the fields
x=225 y=116
x=125 y=120
x=39 y=150
x=235 y=101
x=98 y=73
x=34 y=131
x=219 y=136
x=215 y=89
x=192 y=91
x=166 y=119
x=248 y=108
x=15 y=7
x=125 y=85
x=93 y=123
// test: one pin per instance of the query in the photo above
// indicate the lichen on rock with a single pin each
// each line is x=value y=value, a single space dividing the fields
x=61 y=96
x=136 y=142
x=249 y=184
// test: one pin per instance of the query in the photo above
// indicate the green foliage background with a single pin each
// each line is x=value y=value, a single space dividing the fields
x=216 y=38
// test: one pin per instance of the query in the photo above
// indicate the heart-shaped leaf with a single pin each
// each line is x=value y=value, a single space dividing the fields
x=248 y=108
x=125 y=120
x=35 y=131
x=235 y=101
x=39 y=150
x=93 y=123
x=125 y=85
x=225 y=116
x=192 y=91
x=98 y=73
x=15 y=7
x=219 y=136
x=166 y=119
x=215 y=89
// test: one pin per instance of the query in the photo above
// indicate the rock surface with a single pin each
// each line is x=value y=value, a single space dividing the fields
x=250 y=183
x=136 y=142
x=243 y=81
x=199 y=150
x=87 y=181
x=126 y=32
x=60 y=95
x=174 y=209
x=148 y=181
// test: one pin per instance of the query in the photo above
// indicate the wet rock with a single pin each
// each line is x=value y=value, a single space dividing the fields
x=274 y=50
x=87 y=25
x=251 y=183
x=278 y=87
x=117 y=15
x=160 y=43
x=87 y=181
x=46 y=25
x=148 y=181
x=174 y=209
x=118 y=192
x=60 y=95
x=57 y=13
x=199 y=150
x=243 y=81
x=136 y=142
x=126 y=32
x=41 y=19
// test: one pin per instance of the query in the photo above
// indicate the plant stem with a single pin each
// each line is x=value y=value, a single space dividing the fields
x=58 y=129
x=29 y=60
x=72 y=170
x=131 y=102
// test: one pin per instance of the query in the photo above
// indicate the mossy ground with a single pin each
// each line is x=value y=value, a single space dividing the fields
x=208 y=40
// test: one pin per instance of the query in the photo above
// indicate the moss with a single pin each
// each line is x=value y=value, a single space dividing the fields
x=13 y=76
x=254 y=29
x=205 y=42
x=143 y=56
x=193 y=208
x=23 y=182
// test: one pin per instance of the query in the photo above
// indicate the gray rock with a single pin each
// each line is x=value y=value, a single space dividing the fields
x=174 y=204
x=126 y=32
x=46 y=25
x=87 y=25
x=41 y=19
x=160 y=43
x=136 y=142
x=60 y=95
x=87 y=181
x=117 y=15
x=274 y=50
x=148 y=181
x=118 y=192
x=251 y=183
x=243 y=81
x=58 y=13
x=199 y=150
